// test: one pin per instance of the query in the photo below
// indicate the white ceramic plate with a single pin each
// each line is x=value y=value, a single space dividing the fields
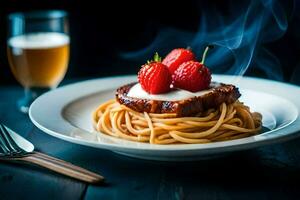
x=65 y=113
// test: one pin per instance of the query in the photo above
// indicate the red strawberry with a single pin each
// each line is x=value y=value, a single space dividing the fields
x=192 y=76
x=155 y=77
x=177 y=57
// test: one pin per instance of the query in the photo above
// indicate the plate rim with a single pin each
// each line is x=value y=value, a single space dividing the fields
x=241 y=144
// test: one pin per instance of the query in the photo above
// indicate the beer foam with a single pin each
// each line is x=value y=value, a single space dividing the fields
x=39 y=40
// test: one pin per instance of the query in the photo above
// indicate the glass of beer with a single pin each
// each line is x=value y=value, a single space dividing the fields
x=38 y=51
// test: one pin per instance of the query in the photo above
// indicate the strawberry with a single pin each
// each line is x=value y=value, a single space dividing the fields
x=155 y=77
x=192 y=75
x=177 y=57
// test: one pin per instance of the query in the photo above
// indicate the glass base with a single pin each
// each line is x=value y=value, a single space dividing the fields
x=30 y=95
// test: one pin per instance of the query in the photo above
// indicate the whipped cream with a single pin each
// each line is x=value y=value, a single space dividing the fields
x=137 y=91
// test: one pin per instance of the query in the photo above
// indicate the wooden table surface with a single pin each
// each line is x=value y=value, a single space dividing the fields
x=271 y=172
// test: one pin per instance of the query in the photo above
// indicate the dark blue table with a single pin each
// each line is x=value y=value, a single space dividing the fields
x=271 y=172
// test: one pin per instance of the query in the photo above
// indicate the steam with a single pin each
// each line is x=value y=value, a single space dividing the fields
x=239 y=38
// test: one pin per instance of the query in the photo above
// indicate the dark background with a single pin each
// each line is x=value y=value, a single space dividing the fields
x=102 y=34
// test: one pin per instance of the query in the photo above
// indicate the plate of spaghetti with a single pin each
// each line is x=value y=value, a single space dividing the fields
x=171 y=112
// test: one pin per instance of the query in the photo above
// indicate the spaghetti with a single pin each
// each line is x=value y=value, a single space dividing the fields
x=227 y=122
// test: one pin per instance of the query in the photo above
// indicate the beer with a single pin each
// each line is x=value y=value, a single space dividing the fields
x=39 y=59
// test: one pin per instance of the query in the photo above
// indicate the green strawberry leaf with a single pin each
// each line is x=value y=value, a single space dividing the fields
x=156 y=57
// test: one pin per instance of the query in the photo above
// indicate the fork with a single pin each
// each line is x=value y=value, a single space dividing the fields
x=13 y=152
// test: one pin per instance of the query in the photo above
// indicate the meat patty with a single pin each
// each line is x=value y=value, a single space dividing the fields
x=188 y=107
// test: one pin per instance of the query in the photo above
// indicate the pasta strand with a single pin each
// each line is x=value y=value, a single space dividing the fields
x=229 y=121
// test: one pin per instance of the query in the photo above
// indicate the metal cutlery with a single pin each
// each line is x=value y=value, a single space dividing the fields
x=14 y=147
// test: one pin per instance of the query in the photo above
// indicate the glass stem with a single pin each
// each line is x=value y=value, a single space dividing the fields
x=30 y=94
